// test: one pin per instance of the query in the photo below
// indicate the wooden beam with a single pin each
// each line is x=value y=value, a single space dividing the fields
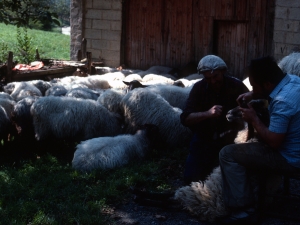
x=9 y=66
x=89 y=62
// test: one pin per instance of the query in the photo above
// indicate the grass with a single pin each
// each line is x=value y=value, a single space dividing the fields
x=46 y=190
x=51 y=45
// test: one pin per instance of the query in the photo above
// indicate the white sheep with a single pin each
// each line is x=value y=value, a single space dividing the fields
x=56 y=90
x=72 y=118
x=24 y=89
x=158 y=79
x=8 y=88
x=194 y=76
x=111 y=152
x=203 y=199
x=182 y=82
x=141 y=106
x=111 y=100
x=42 y=85
x=94 y=81
x=291 y=63
x=159 y=70
x=84 y=93
x=132 y=77
x=176 y=96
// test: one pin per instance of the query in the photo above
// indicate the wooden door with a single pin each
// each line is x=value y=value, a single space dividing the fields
x=230 y=43
x=158 y=33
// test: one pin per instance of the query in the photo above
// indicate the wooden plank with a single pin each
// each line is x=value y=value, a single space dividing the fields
x=218 y=10
x=229 y=9
x=242 y=10
x=233 y=49
x=43 y=74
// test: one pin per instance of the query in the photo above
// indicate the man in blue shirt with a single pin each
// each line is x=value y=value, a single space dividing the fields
x=280 y=150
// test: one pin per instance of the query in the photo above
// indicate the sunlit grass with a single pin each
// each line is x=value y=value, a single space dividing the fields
x=51 y=45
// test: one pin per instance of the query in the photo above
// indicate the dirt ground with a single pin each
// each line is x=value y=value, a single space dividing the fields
x=130 y=213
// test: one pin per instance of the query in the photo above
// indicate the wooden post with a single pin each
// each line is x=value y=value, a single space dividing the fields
x=79 y=55
x=9 y=66
x=89 y=62
x=37 y=55
x=83 y=48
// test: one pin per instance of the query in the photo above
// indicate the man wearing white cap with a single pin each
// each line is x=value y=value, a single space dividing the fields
x=205 y=114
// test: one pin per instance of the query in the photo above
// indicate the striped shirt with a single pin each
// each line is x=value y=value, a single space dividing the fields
x=284 y=111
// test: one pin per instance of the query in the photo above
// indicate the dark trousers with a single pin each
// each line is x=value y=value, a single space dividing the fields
x=239 y=161
x=202 y=159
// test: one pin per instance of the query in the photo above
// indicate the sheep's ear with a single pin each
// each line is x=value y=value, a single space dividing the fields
x=126 y=82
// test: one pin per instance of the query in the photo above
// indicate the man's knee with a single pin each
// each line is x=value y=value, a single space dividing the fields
x=226 y=152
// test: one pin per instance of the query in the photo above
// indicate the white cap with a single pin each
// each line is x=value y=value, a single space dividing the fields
x=211 y=62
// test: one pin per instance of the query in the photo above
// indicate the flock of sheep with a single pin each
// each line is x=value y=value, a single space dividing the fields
x=113 y=120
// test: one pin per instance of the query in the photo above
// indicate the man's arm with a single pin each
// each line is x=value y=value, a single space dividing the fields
x=274 y=140
x=196 y=117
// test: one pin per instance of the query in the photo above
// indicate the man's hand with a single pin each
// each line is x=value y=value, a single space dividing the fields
x=215 y=111
x=244 y=98
x=249 y=114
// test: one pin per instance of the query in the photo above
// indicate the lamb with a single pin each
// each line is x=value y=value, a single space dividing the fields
x=291 y=63
x=111 y=152
x=141 y=106
x=72 y=119
x=176 y=96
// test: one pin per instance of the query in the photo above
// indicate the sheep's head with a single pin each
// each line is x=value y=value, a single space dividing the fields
x=134 y=84
x=260 y=106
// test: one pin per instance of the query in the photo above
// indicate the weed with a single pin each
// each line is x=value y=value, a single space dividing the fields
x=25 y=51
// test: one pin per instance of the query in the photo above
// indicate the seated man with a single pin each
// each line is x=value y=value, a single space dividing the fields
x=280 y=150
x=205 y=114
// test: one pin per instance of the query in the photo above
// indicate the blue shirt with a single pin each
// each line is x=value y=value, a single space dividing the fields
x=284 y=111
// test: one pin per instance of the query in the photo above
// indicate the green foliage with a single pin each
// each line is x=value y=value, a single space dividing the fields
x=3 y=51
x=51 y=45
x=21 y=12
x=25 y=51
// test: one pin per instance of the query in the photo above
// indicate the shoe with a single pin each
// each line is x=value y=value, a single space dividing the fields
x=240 y=217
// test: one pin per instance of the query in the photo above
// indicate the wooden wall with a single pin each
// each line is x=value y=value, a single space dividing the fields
x=174 y=33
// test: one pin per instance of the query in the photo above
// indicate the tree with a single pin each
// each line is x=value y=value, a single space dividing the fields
x=22 y=12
